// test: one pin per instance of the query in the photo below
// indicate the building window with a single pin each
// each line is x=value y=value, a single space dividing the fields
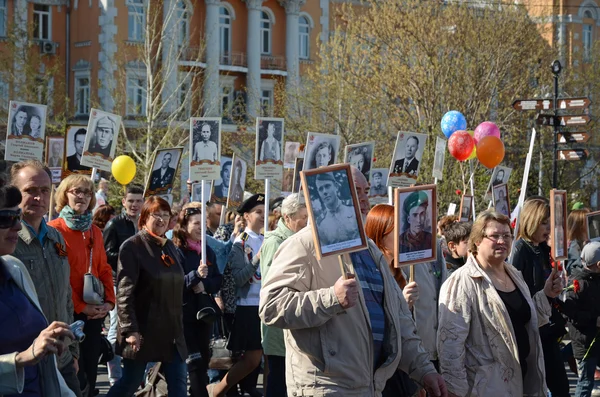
x=304 y=27
x=3 y=17
x=82 y=95
x=136 y=96
x=265 y=34
x=225 y=35
x=183 y=24
x=136 y=20
x=266 y=102
x=588 y=41
x=41 y=22
x=226 y=101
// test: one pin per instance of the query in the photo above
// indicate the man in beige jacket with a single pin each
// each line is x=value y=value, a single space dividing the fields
x=342 y=337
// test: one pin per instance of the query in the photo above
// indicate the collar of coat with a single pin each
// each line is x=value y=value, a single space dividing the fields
x=27 y=237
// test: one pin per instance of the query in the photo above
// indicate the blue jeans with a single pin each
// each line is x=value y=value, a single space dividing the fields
x=114 y=365
x=585 y=384
x=133 y=374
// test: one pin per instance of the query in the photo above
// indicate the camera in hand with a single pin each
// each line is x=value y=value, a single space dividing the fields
x=77 y=329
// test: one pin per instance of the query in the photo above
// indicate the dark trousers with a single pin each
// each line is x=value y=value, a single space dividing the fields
x=556 y=374
x=89 y=352
x=197 y=338
x=70 y=377
x=276 y=379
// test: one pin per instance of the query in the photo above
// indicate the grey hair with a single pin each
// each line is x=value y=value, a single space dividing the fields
x=292 y=204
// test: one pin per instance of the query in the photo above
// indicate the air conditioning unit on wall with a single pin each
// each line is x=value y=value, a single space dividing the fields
x=48 y=47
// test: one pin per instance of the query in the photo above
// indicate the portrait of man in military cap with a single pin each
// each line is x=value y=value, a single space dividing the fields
x=102 y=140
x=415 y=223
x=333 y=208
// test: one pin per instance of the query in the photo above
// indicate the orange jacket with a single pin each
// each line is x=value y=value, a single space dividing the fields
x=79 y=259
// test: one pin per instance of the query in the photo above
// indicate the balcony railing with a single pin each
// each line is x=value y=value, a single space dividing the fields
x=240 y=59
x=272 y=62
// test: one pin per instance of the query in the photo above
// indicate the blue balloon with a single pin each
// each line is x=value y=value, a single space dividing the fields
x=453 y=121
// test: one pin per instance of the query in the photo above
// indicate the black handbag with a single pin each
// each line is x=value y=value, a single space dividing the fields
x=106 y=351
x=209 y=311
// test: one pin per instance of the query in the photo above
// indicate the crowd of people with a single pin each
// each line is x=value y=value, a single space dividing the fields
x=468 y=323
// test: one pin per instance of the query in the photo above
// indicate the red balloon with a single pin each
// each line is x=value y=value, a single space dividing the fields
x=460 y=145
x=490 y=151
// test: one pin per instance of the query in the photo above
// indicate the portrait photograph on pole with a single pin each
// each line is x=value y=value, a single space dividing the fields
x=378 y=194
x=220 y=187
x=333 y=210
x=501 y=200
x=101 y=140
x=499 y=175
x=558 y=224
x=406 y=159
x=593 y=225
x=55 y=147
x=268 y=162
x=205 y=148
x=439 y=157
x=73 y=151
x=290 y=154
x=296 y=181
x=321 y=150
x=466 y=209
x=26 y=130
x=415 y=210
x=237 y=183
x=361 y=155
x=164 y=168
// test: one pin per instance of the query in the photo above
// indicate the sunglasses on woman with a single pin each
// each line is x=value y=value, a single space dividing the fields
x=191 y=211
x=9 y=218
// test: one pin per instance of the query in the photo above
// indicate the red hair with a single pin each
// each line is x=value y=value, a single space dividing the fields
x=153 y=204
x=380 y=223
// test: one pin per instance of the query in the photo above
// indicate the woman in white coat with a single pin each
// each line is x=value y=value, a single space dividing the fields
x=488 y=339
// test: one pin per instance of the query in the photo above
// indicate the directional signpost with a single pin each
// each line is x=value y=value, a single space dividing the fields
x=557 y=121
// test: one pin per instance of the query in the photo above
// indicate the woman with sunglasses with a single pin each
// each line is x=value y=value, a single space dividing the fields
x=27 y=344
x=150 y=284
x=75 y=200
x=202 y=277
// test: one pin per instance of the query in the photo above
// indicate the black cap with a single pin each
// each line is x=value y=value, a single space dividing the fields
x=326 y=176
x=251 y=202
x=275 y=203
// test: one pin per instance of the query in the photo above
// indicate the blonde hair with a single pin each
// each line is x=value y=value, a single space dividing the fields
x=67 y=184
x=534 y=212
x=478 y=228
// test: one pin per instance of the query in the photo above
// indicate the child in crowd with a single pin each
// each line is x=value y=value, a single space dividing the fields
x=457 y=237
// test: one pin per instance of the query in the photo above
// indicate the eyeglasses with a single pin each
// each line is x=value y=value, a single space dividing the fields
x=81 y=193
x=9 y=218
x=497 y=237
x=191 y=212
x=163 y=218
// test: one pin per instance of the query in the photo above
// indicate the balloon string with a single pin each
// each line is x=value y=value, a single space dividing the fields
x=462 y=173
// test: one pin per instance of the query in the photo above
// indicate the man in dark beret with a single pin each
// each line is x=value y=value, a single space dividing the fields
x=414 y=211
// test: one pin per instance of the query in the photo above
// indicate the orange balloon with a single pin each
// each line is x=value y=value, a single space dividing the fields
x=490 y=151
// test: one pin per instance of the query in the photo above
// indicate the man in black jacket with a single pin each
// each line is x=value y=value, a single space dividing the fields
x=115 y=233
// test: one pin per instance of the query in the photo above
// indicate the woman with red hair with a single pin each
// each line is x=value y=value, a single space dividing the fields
x=379 y=227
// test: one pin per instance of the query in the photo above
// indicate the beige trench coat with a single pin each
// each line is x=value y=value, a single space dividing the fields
x=476 y=341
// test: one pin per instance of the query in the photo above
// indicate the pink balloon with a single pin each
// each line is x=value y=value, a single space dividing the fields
x=460 y=145
x=487 y=128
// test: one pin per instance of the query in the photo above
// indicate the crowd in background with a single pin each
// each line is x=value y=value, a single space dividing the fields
x=469 y=323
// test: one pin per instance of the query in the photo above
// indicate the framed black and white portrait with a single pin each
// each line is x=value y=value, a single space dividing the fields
x=296 y=180
x=501 y=200
x=221 y=186
x=360 y=155
x=406 y=160
x=415 y=224
x=26 y=131
x=268 y=162
x=55 y=147
x=205 y=148
x=291 y=153
x=164 y=167
x=73 y=151
x=321 y=150
x=593 y=225
x=101 y=140
x=237 y=183
x=499 y=175
x=287 y=183
x=333 y=210
x=558 y=224
x=466 y=209
x=378 y=194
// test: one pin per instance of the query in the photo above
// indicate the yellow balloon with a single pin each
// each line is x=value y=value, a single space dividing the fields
x=474 y=152
x=123 y=169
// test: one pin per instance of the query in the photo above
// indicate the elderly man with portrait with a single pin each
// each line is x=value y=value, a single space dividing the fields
x=415 y=237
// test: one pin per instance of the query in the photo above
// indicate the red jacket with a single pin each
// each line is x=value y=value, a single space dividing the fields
x=79 y=259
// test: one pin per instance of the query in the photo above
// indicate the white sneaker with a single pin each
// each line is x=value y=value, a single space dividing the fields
x=596 y=392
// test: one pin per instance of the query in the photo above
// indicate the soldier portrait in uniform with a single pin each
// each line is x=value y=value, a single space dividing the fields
x=333 y=210
x=406 y=160
x=360 y=155
x=321 y=150
x=501 y=201
x=593 y=224
x=499 y=175
x=166 y=162
x=221 y=185
x=558 y=226
x=466 y=209
x=415 y=224
x=237 y=183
